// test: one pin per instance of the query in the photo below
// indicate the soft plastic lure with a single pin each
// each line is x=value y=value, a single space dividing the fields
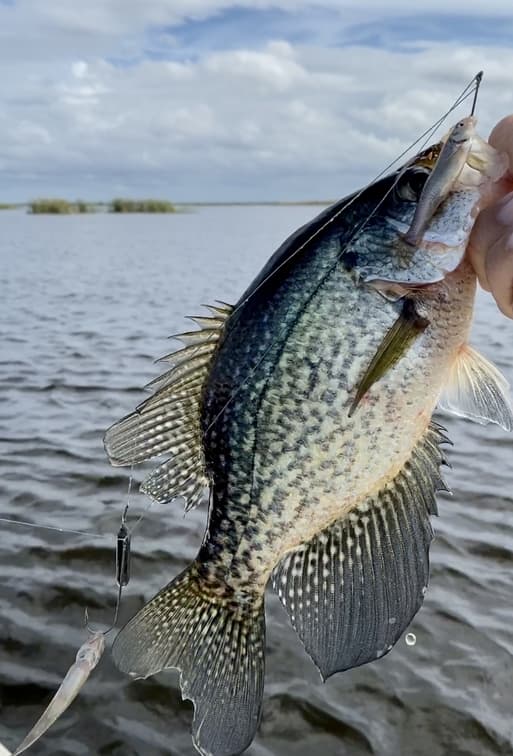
x=88 y=656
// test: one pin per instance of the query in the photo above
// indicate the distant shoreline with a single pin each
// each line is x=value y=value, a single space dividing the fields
x=65 y=207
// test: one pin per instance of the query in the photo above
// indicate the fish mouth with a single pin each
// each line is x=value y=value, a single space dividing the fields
x=427 y=158
x=438 y=237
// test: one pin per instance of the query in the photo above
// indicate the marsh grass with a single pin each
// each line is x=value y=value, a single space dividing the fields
x=56 y=206
x=121 y=205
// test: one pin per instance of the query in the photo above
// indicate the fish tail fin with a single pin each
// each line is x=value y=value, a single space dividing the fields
x=216 y=643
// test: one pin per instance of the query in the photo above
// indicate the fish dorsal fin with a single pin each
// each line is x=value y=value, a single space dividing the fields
x=355 y=587
x=168 y=422
x=477 y=390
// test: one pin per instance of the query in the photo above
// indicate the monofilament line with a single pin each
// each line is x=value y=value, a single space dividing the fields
x=426 y=136
x=467 y=92
x=25 y=523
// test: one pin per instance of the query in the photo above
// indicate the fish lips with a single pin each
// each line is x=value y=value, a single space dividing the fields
x=439 y=253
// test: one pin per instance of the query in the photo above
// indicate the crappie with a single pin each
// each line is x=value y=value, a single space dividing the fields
x=328 y=496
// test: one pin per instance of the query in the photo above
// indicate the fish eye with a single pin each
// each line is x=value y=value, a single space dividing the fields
x=411 y=184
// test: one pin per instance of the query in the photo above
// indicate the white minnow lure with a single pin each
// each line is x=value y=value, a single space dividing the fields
x=448 y=167
x=88 y=656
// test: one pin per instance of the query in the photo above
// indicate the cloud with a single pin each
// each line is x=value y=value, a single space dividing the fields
x=127 y=97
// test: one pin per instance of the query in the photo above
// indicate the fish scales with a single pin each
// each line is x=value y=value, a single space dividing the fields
x=307 y=413
x=297 y=462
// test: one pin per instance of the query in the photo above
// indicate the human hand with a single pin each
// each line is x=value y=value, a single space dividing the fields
x=490 y=248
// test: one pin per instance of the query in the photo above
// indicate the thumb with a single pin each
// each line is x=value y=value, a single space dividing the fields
x=501 y=138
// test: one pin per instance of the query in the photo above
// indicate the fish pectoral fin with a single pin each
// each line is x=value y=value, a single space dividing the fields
x=354 y=588
x=168 y=422
x=486 y=159
x=476 y=162
x=477 y=390
x=406 y=329
x=218 y=648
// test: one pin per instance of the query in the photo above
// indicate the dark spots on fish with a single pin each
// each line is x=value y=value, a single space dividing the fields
x=312 y=381
x=349 y=259
x=251 y=530
x=317 y=414
x=332 y=411
x=291 y=465
x=329 y=397
x=312 y=429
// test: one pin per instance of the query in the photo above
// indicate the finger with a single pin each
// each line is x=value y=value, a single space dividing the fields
x=483 y=235
x=499 y=272
x=490 y=250
x=501 y=138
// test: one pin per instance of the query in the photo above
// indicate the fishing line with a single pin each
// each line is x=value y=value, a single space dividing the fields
x=426 y=135
x=467 y=92
x=123 y=536
x=146 y=509
x=89 y=533
x=397 y=179
x=123 y=547
x=72 y=531
x=478 y=79
x=123 y=554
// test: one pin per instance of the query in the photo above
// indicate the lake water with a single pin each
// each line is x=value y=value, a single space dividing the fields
x=86 y=305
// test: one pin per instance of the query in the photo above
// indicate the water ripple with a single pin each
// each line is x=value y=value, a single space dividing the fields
x=76 y=351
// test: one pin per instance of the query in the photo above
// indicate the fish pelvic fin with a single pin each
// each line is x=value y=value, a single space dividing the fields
x=477 y=390
x=218 y=647
x=354 y=588
x=168 y=422
x=398 y=339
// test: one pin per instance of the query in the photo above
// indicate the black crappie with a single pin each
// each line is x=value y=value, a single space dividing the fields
x=306 y=410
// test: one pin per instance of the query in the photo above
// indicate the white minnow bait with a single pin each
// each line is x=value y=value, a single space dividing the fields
x=88 y=656
x=448 y=167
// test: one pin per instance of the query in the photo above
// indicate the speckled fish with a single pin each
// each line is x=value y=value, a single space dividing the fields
x=328 y=497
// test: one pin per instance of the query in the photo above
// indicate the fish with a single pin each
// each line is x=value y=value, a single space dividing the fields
x=304 y=413
x=88 y=656
x=449 y=165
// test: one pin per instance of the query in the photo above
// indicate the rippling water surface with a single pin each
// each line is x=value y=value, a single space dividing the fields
x=86 y=305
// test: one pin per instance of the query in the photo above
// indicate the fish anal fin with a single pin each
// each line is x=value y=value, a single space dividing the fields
x=477 y=390
x=354 y=588
x=396 y=342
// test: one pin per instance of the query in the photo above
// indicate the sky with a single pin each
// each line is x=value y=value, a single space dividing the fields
x=211 y=100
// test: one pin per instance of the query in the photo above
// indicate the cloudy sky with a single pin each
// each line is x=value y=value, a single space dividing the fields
x=216 y=100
